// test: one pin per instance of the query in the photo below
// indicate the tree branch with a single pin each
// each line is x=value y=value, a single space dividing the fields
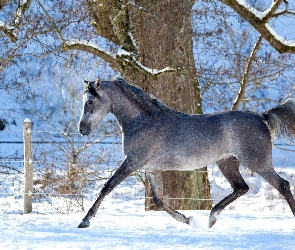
x=10 y=55
x=12 y=30
x=9 y=31
x=55 y=27
x=93 y=49
x=259 y=20
x=117 y=60
x=245 y=79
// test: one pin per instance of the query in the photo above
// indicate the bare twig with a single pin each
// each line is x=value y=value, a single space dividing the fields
x=245 y=78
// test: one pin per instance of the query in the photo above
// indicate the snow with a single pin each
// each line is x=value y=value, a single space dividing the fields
x=254 y=221
x=4 y=25
x=254 y=11
x=154 y=71
x=133 y=40
x=123 y=52
x=258 y=220
x=147 y=230
x=89 y=44
x=278 y=37
x=23 y=2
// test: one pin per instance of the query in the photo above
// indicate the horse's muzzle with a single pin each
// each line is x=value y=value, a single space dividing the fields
x=83 y=128
x=81 y=131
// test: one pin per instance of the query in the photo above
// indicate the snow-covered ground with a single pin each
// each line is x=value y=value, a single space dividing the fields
x=112 y=229
x=258 y=220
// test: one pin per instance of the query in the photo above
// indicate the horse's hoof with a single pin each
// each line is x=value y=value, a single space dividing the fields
x=212 y=222
x=190 y=220
x=84 y=224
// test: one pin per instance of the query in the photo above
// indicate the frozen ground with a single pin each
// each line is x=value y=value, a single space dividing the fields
x=148 y=230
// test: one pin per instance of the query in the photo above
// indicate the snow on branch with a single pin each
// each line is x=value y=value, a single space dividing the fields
x=251 y=9
x=114 y=58
x=12 y=30
x=260 y=21
x=280 y=38
x=154 y=72
x=9 y=31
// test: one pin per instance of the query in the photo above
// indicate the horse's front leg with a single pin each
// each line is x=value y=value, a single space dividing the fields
x=121 y=174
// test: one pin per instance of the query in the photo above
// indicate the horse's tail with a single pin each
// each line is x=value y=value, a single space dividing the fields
x=281 y=119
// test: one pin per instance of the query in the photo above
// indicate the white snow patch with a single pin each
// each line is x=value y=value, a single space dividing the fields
x=257 y=13
x=122 y=223
x=280 y=38
x=27 y=120
x=146 y=230
x=254 y=11
x=199 y=222
x=154 y=71
x=8 y=27
x=122 y=52
x=90 y=44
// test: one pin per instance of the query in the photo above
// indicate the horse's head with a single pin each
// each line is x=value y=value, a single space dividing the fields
x=96 y=105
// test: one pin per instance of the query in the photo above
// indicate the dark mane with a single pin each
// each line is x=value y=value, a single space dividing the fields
x=146 y=101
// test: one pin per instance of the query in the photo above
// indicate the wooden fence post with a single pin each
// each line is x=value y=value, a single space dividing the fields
x=28 y=165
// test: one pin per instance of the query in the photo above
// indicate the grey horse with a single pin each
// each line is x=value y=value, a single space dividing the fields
x=157 y=138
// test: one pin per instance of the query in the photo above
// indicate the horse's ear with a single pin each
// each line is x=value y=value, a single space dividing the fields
x=85 y=83
x=97 y=83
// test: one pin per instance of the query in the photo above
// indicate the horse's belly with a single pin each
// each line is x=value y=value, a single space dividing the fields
x=179 y=163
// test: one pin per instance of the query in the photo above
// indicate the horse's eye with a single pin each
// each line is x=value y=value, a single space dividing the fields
x=90 y=102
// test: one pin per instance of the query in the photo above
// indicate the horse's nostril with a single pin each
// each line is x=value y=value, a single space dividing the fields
x=83 y=130
x=80 y=125
x=80 y=129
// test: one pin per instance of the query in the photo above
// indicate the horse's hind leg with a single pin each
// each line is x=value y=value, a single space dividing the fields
x=156 y=184
x=230 y=169
x=271 y=176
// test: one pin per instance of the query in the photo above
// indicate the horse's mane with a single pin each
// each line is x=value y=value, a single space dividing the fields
x=146 y=101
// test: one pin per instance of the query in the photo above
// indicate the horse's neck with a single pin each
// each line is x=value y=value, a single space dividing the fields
x=124 y=109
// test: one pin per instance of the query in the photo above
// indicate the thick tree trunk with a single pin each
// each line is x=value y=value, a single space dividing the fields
x=164 y=36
